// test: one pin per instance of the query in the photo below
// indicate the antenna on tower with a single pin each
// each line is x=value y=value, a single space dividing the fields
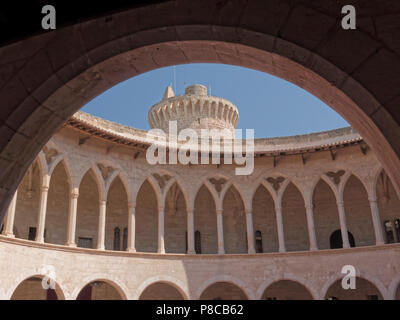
x=209 y=89
x=174 y=79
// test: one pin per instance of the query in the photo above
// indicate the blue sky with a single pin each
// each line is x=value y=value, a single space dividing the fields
x=269 y=105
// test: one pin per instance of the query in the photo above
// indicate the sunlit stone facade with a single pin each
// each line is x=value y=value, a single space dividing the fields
x=108 y=225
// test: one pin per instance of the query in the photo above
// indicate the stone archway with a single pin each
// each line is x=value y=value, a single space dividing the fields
x=42 y=84
x=286 y=290
x=161 y=291
x=32 y=289
x=223 y=291
x=365 y=290
x=100 y=290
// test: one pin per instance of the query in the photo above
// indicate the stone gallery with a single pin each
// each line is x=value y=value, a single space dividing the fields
x=92 y=219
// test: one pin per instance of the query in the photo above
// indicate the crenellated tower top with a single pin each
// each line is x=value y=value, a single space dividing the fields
x=195 y=110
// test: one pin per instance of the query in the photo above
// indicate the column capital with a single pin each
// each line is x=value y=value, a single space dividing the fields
x=372 y=199
x=309 y=206
x=219 y=211
x=160 y=208
x=248 y=211
x=340 y=203
x=44 y=188
x=75 y=193
x=103 y=202
x=131 y=204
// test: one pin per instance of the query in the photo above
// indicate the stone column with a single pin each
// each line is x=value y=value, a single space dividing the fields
x=279 y=223
x=8 y=229
x=73 y=207
x=161 y=242
x=102 y=225
x=44 y=191
x=190 y=232
x=250 y=232
x=343 y=225
x=220 y=232
x=131 y=246
x=376 y=220
x=311 y=227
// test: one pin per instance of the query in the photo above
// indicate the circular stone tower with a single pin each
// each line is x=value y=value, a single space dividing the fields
x=195 y=110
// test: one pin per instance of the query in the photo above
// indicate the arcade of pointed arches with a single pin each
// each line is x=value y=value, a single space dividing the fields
x=82 y=197
x=162 y=183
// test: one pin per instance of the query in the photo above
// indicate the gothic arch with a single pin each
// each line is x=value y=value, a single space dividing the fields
x=294 y=218
x=96 y=175
x=227 y=186
x=360 y=224
x=261 y=182
x=121 y=175
x=234 y=220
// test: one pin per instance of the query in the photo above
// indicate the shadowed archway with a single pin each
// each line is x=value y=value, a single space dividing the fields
x=34 y=288
x=161 y=291
x=223 y=291
x=336 y=240
x=286 y=290
x=365 y=290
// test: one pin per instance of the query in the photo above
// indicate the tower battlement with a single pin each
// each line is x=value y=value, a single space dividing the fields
x=195 y=109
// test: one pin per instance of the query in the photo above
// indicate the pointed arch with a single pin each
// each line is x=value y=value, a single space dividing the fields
x=294 y=219
x=264 y=219
x=234 y=220
x=358 y=211
x=227 y=186
x=262 y=182
x=175 y=218
x=205 y=218
x=58 y=205
x=148 y=201
x=116 y=214
x=326 y=217
x=181 y=186
x=87 y=218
